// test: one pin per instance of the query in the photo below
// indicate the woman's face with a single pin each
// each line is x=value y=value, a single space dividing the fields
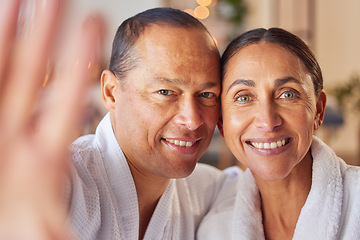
x=269 y=110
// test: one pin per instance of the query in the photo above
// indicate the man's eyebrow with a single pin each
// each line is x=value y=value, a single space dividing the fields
x=169 y=80
x=281 y=81
x=179 y=82
x=246 y=82
x=209 y=85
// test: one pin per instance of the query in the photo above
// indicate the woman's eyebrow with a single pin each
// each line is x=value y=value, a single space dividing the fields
x=281 y=81
x=246 y=82
x=278 y=82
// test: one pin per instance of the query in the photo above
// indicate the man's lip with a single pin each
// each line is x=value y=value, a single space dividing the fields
x=180 y=146
x=182 y=142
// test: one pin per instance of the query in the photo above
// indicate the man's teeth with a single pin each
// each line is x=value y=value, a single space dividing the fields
x=271 y=145
x=180 y=143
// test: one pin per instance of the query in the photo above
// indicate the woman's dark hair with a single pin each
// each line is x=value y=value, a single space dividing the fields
x=124 y=56
x=282 y=38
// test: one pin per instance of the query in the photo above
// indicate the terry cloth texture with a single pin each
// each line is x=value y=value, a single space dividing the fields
x=104 y=201
x=331 y=211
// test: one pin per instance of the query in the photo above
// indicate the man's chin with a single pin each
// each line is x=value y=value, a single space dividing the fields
x=182 y=171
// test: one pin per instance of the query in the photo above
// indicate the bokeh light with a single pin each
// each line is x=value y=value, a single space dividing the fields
x=201 y=12
x=204 y=3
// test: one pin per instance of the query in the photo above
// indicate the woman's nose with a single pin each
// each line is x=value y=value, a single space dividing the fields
x=267 y=117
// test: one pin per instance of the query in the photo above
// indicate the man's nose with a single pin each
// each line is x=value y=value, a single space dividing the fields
x=190 y=114
x=267 y=117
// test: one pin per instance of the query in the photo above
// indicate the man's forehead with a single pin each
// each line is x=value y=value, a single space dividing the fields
x=175 y=52
x=164 y=36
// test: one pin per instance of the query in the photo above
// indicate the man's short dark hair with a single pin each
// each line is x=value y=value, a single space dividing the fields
x=124 y=56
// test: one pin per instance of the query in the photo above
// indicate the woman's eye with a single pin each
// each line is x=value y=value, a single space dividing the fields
x=243 y=98
x=165 y=92
x=287 y=95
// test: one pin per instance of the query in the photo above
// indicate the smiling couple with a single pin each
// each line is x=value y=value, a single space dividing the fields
x=137 y=177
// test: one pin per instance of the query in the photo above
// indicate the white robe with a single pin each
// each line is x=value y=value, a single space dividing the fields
x=104 y=201
x=331 y=211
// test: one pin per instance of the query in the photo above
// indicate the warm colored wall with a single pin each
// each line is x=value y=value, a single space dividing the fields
x=338 y=38
x=114 y=11
x=338 y=51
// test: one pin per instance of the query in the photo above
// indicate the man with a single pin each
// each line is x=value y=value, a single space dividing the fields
x=162 y=92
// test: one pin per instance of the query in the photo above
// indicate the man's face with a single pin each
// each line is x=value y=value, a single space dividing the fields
x=167 y=107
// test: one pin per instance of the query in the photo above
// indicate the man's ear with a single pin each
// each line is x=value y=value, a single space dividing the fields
x=220 y=125
x=109 y=87
x=320 y=110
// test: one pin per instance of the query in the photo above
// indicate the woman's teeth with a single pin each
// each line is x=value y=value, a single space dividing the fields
x=180 y=143
x=271 y=145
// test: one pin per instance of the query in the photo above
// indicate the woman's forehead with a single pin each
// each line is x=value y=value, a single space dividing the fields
x=266 y=57
x=265 y=61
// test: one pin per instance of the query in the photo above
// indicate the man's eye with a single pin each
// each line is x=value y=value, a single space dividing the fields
x=207 y=94
x=288 y=94
x=208 y=99
x=165 y=92
x=243 y=98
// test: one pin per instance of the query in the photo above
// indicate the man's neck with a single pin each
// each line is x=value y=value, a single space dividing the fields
x=149 y=189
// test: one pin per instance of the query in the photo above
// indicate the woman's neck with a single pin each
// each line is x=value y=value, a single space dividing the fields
x=282 y=200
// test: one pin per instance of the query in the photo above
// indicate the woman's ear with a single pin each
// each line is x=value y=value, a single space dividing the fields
x=220 y=125
x=320 y=109
x=109 y=84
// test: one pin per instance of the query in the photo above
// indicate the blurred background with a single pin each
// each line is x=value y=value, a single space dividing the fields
x=330 y=27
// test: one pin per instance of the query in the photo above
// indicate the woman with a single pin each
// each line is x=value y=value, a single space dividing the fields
x=295 y=186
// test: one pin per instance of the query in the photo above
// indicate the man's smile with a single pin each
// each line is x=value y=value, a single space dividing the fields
x=181 y=143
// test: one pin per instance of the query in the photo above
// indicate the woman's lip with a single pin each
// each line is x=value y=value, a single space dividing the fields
x=268 y=143
x=266 y=148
